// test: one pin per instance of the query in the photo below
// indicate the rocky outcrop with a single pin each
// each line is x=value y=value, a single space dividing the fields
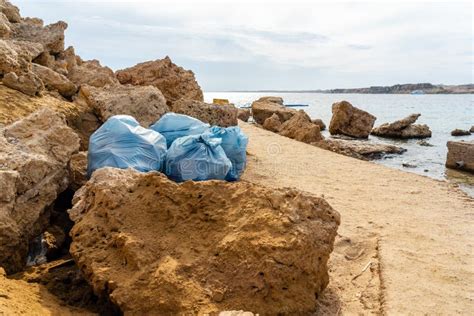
x=320 y=123
x=220 y=115
x=460 y=132
x=174 y=82
x=78 y=170
x=461 y=156
x=28 y=83
x=265 y=107
x=360 y=149
x=16 y=56
x=11 y=12
x=351 y=121
x=300 y=128
x=272 y=123
x=403 y=128
x=34 y=153
x=89 y=72
x=32 y=30
x=243 y=114
x=146 y=104
x=54 y=81
x=162 y=248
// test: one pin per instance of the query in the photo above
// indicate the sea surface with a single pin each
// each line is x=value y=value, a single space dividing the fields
x=442 y=113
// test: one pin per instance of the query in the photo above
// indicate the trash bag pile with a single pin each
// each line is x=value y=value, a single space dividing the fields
x=182 y=147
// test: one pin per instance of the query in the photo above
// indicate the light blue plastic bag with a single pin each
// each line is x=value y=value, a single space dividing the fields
x=197 y=157
x=122 y=143
x=173 y=126
x=234 y=143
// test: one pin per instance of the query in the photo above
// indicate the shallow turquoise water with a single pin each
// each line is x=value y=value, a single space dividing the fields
x=442 y=113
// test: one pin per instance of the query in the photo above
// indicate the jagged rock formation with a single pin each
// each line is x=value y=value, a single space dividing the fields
x=403 y=128
x=272 y=123
x=300 y=128
x=220 y=115
x=461 y=156
x=174 y=82
x=91 y=72
x=158 y=247
x=265 y=107
x=34 y=153
x=350 y=121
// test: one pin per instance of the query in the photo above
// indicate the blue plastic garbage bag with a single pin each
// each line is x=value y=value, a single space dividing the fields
x=197 y=157
x=173 y=126
x=122 y=143
x=234 y=143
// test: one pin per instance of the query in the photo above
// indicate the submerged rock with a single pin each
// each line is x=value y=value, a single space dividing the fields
x=34 y=153
x=265 y=107
x=220 y=115
x=461 y=156
x=174 y=82
x=299 y=127
x=351 y=121
x=158 y=247
x=460 y=132
x=403 y=128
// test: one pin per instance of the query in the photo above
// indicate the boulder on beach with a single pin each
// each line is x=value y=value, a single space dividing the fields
x=360 y=149
x=460 y=132
x=265 y=107
x=220 y=115
x=158 y=247
x=243 y=114
x=460 y=155
x=404 y=128
x=34 y=153
x=146 y=103
x=32 y=30
x=272 y=123
x=320 y=123
x=351 y=121
x=299 y=127
x=174 y=82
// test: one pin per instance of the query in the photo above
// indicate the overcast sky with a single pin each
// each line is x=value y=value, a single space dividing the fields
x=244 y=45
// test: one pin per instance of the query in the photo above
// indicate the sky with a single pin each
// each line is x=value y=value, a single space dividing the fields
x=279 y=45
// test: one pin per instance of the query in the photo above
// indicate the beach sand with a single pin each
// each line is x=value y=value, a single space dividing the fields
x=405 y=244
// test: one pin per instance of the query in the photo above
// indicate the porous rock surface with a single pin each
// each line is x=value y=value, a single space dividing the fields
x=404 y=128
x=265 y=107
x=89 y=72
x=32 y=30
x=243 y=114
x=174 y=82
x=360 y=149
x=145 y=103
x=461 y=155
x=300 y=128
x=272 y=123
x=78 y=170
x=54 y=80
x=220 y=115
x=34 y=153
x=158 y=247
x=351 y=121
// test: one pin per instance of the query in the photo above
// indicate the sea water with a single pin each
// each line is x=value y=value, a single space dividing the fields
x=441 y=112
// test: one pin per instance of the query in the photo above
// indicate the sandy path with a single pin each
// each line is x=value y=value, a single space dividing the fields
x=415 y=234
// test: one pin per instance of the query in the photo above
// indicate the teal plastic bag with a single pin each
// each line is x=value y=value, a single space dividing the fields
x=197 y=157
x=122 y=143
x=173 y=126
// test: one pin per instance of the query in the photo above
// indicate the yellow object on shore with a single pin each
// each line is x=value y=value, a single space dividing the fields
x=220 y=101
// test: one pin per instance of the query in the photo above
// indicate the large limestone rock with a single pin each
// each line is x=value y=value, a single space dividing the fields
x=54 y=81
x=403 y=128
x=5 y=29
x=28 y=83
x=10 y=11
x=174 y=82
x=350 y=121
x=360 y=149
x=34 y=153
x=265 y=107
x=272 y=123
x=32 y=30
x=89 y=72
x=146 y=104
x=220 y=115
x=162 y=248
x=461 y=156
x=16 y=56
x=300 y=127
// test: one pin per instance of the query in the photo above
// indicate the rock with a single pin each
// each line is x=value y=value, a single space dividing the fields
x=424 y=143
x=461 y=155
x=28 y=83
x=174 y=82
x=243 y=114
x=220 y=115
x=320 y=123
x=460 y=132
x=360 y=149
x=34 y=153
x=16 y=56
x=32 y=30
x=162 y=248
x=403 y=128
x=78 y=170
x=91 y=73
x=272 y=123
x=5 y=29
x=146 y=104
x=408 y=165
x=10 y=11
x=351 y=121
x=300 y=127
x=265 y=107
x=54 y=81
x=472 y=129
